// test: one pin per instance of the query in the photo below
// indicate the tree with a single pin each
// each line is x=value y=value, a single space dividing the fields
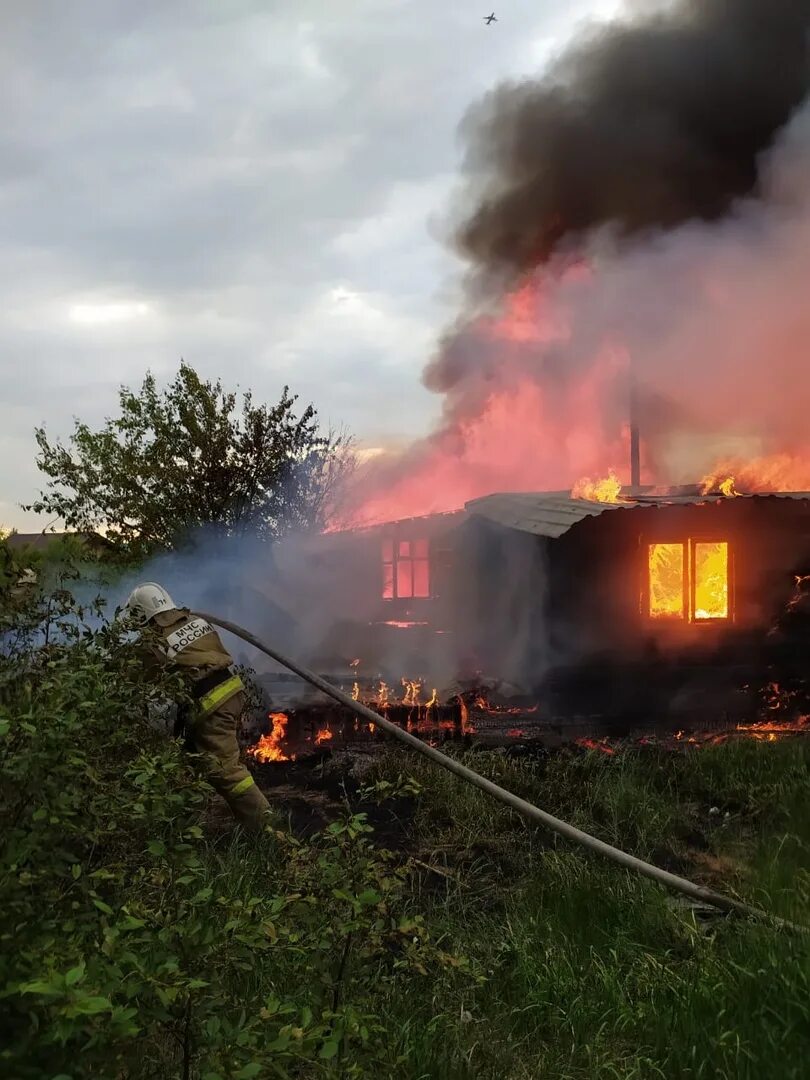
x=187 y=457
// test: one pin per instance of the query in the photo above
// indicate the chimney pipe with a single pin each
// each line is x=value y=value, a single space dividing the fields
x=635 y=448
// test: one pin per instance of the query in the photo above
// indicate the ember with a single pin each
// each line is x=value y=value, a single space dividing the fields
x=760 y=730
x=596 y=744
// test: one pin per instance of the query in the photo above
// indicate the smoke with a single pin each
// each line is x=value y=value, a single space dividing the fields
x=642 y=206
x=318 y=600
x=314 y=598
x=643 y=125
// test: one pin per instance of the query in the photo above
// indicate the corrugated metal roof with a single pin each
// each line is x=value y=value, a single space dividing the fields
x=553 y=513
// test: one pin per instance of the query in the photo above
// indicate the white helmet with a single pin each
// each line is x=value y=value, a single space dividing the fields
x=149 y=599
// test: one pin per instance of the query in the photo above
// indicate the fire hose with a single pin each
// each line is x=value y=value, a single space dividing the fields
x=527 y=810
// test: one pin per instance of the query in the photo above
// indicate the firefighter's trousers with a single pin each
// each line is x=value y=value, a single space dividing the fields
x=214 y=736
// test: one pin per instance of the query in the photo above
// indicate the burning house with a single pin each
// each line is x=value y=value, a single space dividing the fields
x=634 y=223
x=616 y=608
x=628 y=611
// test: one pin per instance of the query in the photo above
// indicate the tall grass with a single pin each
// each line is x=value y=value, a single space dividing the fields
x=591 y=972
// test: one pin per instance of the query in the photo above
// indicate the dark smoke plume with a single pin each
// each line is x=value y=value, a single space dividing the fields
x=644 y=206
x=644 y=124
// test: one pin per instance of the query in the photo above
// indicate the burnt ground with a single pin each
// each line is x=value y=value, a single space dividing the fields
x=312 y=792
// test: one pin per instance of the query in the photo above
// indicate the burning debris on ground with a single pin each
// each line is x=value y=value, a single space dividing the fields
x=471 y=720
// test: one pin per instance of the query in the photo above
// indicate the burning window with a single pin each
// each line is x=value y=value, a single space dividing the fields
x=689 y=579
x=406 y=569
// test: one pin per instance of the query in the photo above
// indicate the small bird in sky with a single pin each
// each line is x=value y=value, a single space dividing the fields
x=490 y=18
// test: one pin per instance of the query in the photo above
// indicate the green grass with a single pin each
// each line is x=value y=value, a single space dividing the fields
x=591 y=972
x=141 y=943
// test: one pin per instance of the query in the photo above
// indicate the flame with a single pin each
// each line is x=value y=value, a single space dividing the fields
x=268 y=748
x=356 y=692
x=759 y=730
x=668 y=577
x=711 y=580
x=382 y=695
x=413 y=690
x=324 y=735
x=466 y=727
x=606 y=490
x=770 y=731
x=434 y=700
x=505 y=426
x=773 y=472
x=666 y=570
x=712 y=483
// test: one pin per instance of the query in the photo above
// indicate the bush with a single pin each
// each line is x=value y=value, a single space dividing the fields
x=132 y=945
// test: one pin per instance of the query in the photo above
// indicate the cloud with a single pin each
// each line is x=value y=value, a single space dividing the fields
x=203 y=180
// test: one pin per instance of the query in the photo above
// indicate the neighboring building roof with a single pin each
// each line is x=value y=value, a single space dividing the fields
x=553 y=513
x=41 y=540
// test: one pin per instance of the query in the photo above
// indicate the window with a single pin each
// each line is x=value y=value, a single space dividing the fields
x=406 y=569
x=688 y=580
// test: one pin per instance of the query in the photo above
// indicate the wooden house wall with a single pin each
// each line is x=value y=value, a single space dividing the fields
x=599 y=569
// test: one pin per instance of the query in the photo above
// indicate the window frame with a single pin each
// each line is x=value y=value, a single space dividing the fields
x=396 y=542
x=689 y=543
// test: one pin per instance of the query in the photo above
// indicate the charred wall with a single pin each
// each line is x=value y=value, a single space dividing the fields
x=498 y=602
x=566 y=618
x=608 y=655
x=394 y=635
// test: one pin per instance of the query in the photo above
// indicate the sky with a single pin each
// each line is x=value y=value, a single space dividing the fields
x=259 y=187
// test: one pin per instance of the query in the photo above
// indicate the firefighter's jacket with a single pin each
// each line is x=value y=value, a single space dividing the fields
x=191 y=644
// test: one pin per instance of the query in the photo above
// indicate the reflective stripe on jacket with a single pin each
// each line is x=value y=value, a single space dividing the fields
x=224 y=691
x=193 y=645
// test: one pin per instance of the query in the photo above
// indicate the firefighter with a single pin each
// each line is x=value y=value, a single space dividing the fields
x=192 y=645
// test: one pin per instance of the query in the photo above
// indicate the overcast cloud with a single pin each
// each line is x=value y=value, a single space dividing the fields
x=258 y=187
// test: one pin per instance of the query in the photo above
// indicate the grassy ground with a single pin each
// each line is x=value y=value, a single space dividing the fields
x=587 y=971
x=144 y=939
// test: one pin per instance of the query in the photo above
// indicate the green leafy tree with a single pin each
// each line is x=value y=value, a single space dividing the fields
x=189 y=456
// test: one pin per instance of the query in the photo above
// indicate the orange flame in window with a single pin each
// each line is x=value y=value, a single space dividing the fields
x=711 y=581
x=666 y=569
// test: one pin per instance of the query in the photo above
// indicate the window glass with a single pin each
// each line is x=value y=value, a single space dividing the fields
x=421 y=578
x=404 y=578
x=666 y=579
x=711 y=581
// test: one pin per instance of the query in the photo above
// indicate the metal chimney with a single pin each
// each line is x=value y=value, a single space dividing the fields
x=635 y=446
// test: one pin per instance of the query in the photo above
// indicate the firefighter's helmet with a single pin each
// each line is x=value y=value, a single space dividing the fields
x=148 y=600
